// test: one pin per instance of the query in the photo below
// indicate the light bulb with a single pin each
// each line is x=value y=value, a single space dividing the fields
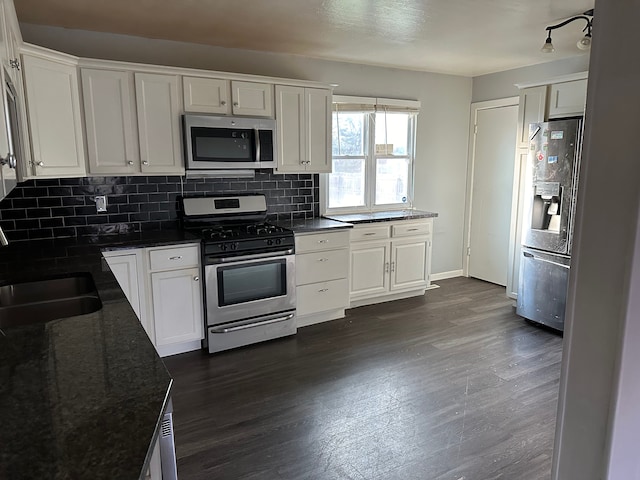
x=548 y=46
x=585 y=42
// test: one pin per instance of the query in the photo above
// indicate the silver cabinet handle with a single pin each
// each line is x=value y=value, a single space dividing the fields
x=369 y=234
x=323 y=241
x=323 y=259
x=386 y=267
x=322 y=290
x=177 y=257
x=235 y=104
x=393 y=266
x=256 y=132
x=144 y=162
x=14 y=63
x=9 y=160
x=130 y=162
x=196 y=278
x=223 y=103
x=412 y=230
x=40 y=164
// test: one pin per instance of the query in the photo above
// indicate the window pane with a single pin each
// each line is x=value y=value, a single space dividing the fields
x=346 y=183
x=392 y=179
x=351 y=129
x=393 y=128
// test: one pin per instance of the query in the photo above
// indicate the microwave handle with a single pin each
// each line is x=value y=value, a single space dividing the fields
x=257 y=135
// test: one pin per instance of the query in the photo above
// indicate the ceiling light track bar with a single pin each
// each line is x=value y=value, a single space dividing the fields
x=583 y=44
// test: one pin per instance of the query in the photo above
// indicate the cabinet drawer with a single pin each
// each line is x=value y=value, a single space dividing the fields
x=174 y=257
x=319 y=297
x=322 y=266
x=405 y=230
x=375 y=232
x=322 y=241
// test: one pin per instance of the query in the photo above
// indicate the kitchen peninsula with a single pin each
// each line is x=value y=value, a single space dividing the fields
x=82 y=396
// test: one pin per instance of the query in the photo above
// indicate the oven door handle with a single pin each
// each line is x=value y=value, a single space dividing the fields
x=244 y=326
x=241 y=258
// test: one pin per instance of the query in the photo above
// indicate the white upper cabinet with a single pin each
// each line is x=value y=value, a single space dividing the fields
x=13 y=42
x=252 y=99
x=532 y=106
x=303 y=117
x=159 y=106
x=207 y=95
x=53 y=110
x=318 y=126
x=568 y=98
x=110 y=122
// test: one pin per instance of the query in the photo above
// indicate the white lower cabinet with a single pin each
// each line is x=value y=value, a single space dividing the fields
x=390 y=260
x=322 y=271
x=164 y=289
x=177 y=306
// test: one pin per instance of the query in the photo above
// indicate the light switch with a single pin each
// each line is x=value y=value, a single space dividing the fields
x=101 y=203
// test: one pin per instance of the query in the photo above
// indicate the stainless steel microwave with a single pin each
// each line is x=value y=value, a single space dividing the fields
x=228 y=143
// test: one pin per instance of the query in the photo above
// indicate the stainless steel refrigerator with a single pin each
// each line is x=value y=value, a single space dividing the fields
x=549 y=211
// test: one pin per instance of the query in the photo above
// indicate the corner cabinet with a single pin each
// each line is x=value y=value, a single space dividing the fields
x=159 y=106
x=303 y=118
x=322 y=272
x=390 y=260
x=53 y=112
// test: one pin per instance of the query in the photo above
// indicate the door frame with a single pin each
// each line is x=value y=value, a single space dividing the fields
x=473 y=119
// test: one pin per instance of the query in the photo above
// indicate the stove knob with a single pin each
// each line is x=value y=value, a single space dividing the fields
x=278 y=241
x=223 y=246
x=234 y=246
x=269 y=242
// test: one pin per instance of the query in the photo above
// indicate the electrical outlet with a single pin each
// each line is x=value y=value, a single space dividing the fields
x=101 y=203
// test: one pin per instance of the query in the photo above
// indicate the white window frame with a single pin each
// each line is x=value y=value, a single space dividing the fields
x=377 y=105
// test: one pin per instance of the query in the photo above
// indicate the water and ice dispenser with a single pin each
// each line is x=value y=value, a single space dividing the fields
x=546 y=213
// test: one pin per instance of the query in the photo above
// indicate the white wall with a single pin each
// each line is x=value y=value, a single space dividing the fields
x=442 y=126
x=502 y=84
x=602 y=302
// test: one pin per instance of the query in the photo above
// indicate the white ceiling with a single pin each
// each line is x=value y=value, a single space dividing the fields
x=463 y=37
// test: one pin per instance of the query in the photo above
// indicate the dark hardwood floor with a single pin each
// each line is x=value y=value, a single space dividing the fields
x=452 y=385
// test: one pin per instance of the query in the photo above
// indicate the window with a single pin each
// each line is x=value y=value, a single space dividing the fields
x=373 y=153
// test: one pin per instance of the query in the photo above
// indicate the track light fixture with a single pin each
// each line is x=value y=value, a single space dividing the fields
x=583 y=44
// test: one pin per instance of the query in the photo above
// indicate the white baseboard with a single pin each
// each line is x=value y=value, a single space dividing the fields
x=444 y=275
x=306 y=320
x=176 y=348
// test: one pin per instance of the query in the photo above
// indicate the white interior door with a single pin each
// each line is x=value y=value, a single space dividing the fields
x=493 y=150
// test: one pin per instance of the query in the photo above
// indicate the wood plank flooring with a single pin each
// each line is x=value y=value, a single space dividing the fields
x=449 y=386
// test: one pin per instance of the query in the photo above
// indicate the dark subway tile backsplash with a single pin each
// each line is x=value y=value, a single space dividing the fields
x=56 y=208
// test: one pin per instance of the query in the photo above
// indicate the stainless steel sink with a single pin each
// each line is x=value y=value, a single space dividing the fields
x=49 y=299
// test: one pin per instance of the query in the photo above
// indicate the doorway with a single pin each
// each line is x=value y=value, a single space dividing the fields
x=489 y=189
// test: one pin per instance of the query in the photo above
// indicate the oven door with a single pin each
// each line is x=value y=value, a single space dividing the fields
x=238 y=289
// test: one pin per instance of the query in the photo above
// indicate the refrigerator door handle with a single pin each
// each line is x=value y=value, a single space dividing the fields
x=540 y=259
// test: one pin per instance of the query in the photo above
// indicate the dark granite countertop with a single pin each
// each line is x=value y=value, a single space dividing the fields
x=313 y=225
x=80 y=397
x=385 y=216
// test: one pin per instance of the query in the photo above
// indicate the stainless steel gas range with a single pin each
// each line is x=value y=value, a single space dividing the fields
x=249 y=270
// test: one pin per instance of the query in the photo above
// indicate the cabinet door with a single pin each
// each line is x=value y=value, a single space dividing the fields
x=369 y=269
x=159 y=108
x=568 y=98
x=13 y=39
x=290 y=128
x=318 y=130
x=255 y=99
x=177 y=306
x=110 y=120
x=531 y=109
x=206 y=95
x=409 y=264
x=53 y=109
x=128 y=270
